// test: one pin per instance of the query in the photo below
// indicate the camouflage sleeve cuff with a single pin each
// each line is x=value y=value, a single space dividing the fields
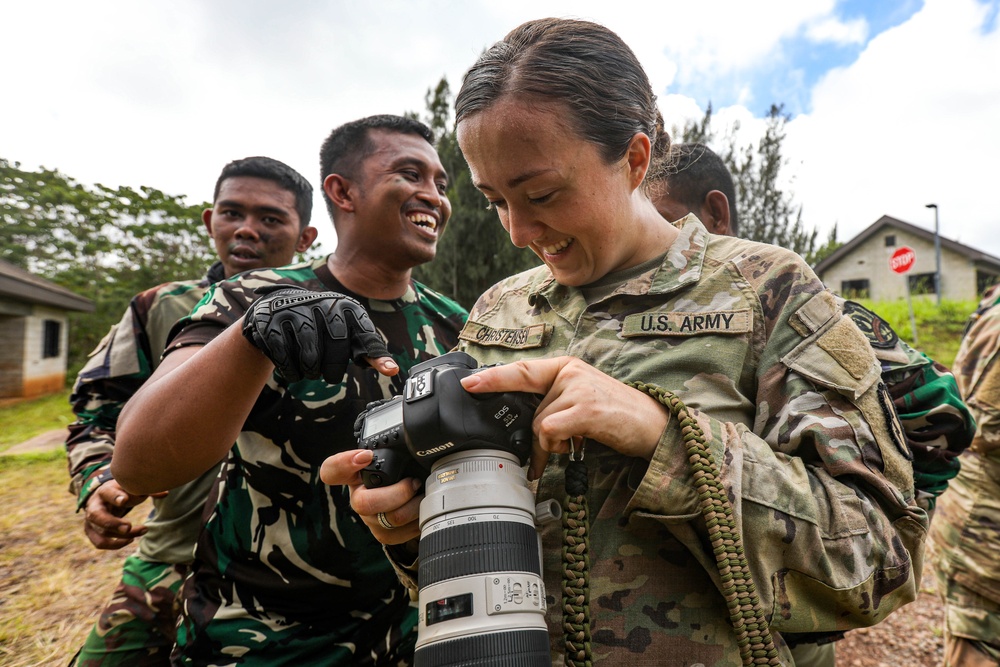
x=94 y=476
x=665 y=488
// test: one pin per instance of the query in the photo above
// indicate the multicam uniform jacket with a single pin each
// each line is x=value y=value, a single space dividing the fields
x=787 y=391
x=122 y=362
x=286 y=571
x=965 y=533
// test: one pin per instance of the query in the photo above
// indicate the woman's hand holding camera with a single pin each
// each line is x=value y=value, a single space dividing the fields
x=580 y=401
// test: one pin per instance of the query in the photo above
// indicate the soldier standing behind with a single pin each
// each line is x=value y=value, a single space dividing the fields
x=964 y=540
x=259 y=218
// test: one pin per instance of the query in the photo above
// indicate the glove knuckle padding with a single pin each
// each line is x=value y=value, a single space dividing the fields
x=311 y=334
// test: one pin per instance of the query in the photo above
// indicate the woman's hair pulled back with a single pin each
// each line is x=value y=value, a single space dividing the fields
x=581 y=65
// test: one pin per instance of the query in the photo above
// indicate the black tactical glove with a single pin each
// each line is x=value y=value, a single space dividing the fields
x=311 y=334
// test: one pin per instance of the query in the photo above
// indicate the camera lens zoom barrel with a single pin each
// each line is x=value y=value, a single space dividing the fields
x=474 y=548
x=482 y=599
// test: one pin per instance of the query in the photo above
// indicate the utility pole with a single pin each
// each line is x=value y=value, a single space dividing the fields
x=937 y=254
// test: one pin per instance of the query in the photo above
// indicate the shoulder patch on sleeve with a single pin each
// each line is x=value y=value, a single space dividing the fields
x=837 y=355
x=876 y=330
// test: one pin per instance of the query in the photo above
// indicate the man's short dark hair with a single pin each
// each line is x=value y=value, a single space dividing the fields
x=276 y=171
x=348 y=145
x=693 y=170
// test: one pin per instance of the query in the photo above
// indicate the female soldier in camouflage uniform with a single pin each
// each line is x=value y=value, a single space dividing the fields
x=558 y=124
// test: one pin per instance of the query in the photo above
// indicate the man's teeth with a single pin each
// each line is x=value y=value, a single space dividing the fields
x=556 y=247
x=423 y=220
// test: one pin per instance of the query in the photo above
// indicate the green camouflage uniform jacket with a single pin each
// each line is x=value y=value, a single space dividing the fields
x=937 y=423
x=965 y=533
x=116 y=369
x=787 y=391
x=285 y=570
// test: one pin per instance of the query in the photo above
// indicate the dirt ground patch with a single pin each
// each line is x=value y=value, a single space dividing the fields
x=53 y=581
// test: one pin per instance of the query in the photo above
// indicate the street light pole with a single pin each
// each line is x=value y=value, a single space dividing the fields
x=937 y=254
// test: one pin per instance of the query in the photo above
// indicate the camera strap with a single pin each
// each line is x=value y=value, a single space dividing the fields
x=576 y=563
x=745 y=613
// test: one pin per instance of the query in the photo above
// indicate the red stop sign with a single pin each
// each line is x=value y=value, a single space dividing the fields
x=902 y=260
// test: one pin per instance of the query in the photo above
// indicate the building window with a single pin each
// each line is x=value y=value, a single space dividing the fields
x=921 y=283
x=50 y=339
x=890 y=241
x=854 y=289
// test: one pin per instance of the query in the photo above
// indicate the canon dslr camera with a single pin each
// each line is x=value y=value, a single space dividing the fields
x=482 y=601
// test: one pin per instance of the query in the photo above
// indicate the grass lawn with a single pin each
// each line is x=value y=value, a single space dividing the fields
x=22 y=420
x=54 y=581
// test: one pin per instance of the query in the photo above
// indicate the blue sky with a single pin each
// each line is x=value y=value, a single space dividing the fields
x=893 y=104
x=797 y=60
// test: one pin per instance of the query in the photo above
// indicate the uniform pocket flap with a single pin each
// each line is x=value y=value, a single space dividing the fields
x=839 y=358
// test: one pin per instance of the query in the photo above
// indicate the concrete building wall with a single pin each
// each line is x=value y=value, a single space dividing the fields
x=28 y=366
x=12 y=335
x=870 y=261
x=44 y=374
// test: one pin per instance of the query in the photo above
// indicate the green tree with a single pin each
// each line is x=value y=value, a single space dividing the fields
x=825 y=250
x=103 y=243
x=767 y=213
x=475 y=251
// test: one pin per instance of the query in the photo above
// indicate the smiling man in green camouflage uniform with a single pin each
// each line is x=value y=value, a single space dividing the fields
x=259 y=218
x=286 y=572
x=936 y=422
x=965 y=534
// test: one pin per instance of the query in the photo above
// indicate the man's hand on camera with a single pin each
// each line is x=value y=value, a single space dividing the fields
x=308 y=335
x=398 y=504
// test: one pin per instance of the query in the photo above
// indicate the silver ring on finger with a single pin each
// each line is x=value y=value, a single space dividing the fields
x=383 y=521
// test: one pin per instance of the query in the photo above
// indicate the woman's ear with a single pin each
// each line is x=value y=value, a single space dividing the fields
x=638 y=156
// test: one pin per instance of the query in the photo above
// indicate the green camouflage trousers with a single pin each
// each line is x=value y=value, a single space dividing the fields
x=138 y=626
x=218 y=627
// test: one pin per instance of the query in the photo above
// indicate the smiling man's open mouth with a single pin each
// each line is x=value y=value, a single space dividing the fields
x=423 y=220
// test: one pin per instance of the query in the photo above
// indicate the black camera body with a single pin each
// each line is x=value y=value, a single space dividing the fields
x=481 y=595
x=436 y=417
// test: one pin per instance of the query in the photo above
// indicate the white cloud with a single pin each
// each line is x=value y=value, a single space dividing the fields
x=834 y=30
x=913 y=121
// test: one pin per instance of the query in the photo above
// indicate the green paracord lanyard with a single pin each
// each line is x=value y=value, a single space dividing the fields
x=576 y=564
x=745 y=613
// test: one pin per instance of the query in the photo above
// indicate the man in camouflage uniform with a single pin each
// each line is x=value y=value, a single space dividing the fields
x=259 y=218
x=965 y=535
x=286 y=572
x=937 y=424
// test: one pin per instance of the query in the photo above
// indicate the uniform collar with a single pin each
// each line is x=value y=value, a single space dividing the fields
x=681 y=267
